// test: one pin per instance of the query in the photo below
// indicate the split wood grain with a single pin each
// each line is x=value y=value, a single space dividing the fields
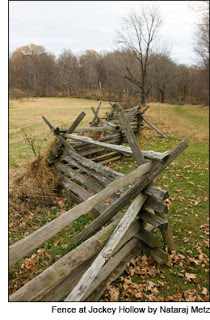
x=76 y=122
x=129 y=134
x=150 y=154
x=156 y=205
x=111 y=265
x=152 y=218
x=149 y=238
x=53 y=275
x=167 y=234
x=133 y=191
x=62 y=289
x=87 y=162
x=156 y=192
x=82 y=287
x=63 y=130
x=20 y=248
x=96 y=295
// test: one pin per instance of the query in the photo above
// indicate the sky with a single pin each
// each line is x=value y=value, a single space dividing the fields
x=82 y=25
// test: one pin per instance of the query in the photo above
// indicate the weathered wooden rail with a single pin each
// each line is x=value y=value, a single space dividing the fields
x=136 y=119
x=102 y=150
x=113 y=238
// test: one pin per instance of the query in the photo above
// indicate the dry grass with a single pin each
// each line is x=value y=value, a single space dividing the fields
x=34 y=185
x=186 y=121
x=27 y=117
x=61 y=111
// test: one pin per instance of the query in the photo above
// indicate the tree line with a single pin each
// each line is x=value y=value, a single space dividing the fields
x=135 y=72
x=35 y=72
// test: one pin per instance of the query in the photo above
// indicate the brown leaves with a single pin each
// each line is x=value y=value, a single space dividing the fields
x=190 y=276
x=152 y=272
x=192 y=295
x=57 y=241
x=138 y=285
x=29 y=263
x=169 y=262
x=113 y=292
x=205 y=291
x=41 y=252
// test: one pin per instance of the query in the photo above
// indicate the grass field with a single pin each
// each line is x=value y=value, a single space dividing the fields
x=186 y=179
x=26 y=118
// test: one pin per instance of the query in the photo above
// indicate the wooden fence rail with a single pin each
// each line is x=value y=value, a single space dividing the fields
x=106 y=243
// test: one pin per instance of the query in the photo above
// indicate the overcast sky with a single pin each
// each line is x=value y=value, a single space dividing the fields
x=81 y=25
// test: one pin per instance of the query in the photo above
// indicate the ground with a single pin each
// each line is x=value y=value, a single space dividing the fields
x=186 y=179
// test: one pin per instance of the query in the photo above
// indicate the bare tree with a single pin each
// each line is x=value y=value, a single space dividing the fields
x=138 y=34
x=88 y=66
x=201 y=46
x=162 y=73
x=68 y=72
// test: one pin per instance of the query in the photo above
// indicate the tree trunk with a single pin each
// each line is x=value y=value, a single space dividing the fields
x=68 y=91
x=162 y=95
x=142 y=98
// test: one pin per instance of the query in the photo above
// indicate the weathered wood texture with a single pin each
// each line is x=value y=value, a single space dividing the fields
x=112 y=264
x=63 y=130
x=35 y=239
x=167 y=234
x=57 y=150
x=129 y=135
x=82 y=273
x=149 y=238
x=96 y=119
x=53 y=275
x=82 y=287
x=156 y=192
x=154 y=128
x=96 y=295
x=152 y=218
x=120 y=203
x=156 y=205
x=69 y=283
x=159 y=156
x=133 y=191
x=86 y=162
x=76 y=123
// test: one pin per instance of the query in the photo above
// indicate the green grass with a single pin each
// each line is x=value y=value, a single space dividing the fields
x=186 y=180
x=193 y=114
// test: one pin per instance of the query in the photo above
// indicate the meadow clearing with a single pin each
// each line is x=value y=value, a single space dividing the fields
x=186 y=277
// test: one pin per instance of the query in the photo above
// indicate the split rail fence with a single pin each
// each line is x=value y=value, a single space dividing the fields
x=129 y=208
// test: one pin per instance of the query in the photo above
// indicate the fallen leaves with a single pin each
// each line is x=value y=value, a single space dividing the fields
x=205 y=291
x=190 y=276
x=138 y=286
x=57 y=241
x=192 y=295
x=41 y=252
x=29 y=263
x=113 y=292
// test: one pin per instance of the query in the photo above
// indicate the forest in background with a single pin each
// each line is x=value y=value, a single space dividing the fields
x=137 y=71
x=35 y=72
